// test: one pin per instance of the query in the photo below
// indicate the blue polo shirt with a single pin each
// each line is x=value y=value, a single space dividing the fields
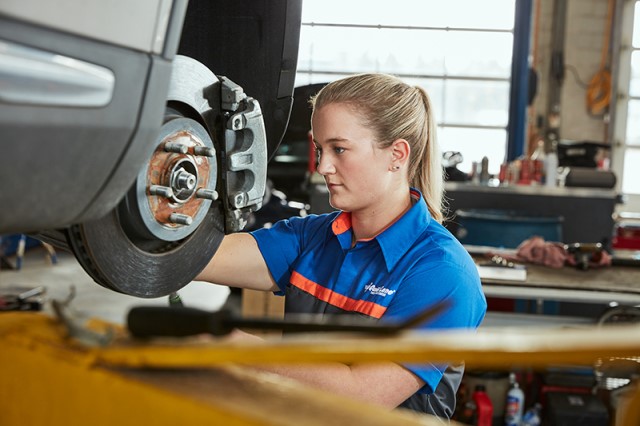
x=411 y=265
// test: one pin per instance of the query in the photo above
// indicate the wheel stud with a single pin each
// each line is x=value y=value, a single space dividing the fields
x=204 y=150
x=176 y=147
x=162 y=191
x=181 y=219
x=209 y=194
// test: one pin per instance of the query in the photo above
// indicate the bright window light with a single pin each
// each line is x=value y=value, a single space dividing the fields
x=463 y=60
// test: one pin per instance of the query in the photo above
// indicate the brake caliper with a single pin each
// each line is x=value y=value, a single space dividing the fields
x=244 y=159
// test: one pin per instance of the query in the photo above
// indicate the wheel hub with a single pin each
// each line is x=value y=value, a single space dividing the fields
x=169 y=225
x=176 y=188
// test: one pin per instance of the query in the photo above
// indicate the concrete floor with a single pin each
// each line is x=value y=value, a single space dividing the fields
x=92 y=300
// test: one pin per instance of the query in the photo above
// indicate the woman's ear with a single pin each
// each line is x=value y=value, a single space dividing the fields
x=400 y=150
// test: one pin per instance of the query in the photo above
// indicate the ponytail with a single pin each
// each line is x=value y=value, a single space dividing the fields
x=428 y=175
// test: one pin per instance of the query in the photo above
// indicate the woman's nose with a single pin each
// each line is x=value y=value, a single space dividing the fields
x=325 y=166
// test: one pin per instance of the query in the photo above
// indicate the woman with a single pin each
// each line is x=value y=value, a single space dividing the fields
x=383 y=255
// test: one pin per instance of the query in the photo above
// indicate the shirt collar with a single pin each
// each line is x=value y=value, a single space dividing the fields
x=341 y=227
x=397 y=238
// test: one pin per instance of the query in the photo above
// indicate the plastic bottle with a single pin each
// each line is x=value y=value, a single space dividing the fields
x=484 y=408
x=515 y=403
x=551 y=168
x=475 y=172
x=468 y=413
x=532 y=416
x=484 y=171
x=538 y=158
x=539 y=154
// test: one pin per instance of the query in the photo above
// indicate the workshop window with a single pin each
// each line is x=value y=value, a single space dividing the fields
x=626 y=156
x=463 y=60
x=631 y=176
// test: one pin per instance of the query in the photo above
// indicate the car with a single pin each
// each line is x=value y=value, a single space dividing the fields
x=137 y=134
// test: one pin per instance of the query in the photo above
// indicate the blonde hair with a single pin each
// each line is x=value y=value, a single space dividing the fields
x=395 y=110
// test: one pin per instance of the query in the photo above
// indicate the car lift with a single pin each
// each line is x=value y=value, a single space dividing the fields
x=50 y=378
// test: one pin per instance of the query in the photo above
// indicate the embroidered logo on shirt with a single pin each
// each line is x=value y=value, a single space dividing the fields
x=378 y=291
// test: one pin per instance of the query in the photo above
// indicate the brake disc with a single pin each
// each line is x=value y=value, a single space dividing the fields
x=172 y=220
x=169 y=225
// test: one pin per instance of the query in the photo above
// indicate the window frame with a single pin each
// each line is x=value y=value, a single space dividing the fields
x=517 y=80
x=622 y=79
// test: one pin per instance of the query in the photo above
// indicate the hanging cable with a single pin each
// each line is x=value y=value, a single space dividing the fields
x=599 y=88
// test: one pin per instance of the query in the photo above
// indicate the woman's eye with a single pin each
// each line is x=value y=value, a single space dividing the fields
x=338 y=150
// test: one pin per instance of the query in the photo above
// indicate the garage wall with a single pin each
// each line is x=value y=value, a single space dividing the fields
x=584 y=36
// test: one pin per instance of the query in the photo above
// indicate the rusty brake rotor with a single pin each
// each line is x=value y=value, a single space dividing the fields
x=169 y=225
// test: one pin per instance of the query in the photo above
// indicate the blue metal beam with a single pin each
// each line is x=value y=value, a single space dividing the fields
x=519 y=80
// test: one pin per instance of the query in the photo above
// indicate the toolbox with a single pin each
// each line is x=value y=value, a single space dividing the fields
x=570 y=409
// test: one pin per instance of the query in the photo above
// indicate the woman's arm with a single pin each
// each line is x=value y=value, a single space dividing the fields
x=384 y=384
x=238 y=263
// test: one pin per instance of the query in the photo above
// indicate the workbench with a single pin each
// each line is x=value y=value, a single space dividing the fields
x=620 y=284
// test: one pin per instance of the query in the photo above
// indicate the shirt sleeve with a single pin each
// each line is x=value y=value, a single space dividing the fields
x=281 y=245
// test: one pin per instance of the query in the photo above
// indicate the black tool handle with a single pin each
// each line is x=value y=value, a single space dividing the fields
x=180 y=321
x=176 y=321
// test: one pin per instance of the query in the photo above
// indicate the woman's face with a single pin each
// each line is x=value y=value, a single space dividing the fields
x=356 y=171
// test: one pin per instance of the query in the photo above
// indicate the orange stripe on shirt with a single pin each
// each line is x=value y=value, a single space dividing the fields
x=336 y=299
